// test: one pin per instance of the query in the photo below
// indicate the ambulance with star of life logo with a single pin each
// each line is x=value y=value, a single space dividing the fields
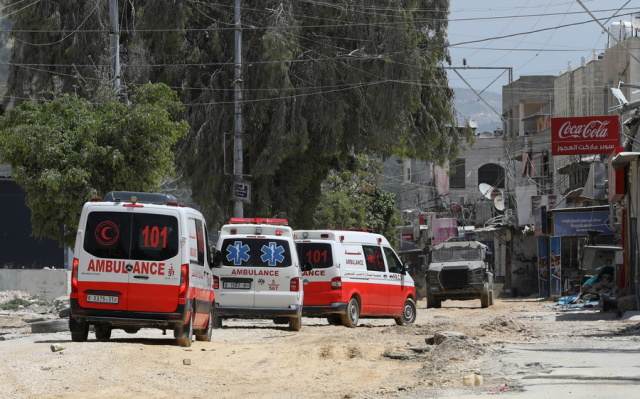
x=356 y=274
x=259 y=274
x=142 y=260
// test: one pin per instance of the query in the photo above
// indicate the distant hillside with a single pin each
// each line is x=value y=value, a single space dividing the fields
x=468 y=104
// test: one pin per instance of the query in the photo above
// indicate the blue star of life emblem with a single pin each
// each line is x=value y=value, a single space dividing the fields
x=272 y=254
x=237 y=253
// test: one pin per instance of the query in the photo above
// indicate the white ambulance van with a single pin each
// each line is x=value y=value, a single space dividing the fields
x=355 y=274
x=260 y=274
x=141 y=261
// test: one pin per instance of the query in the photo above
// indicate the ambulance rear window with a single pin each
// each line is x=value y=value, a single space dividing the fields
x=255 y=252
x=319 y=254
x=123 y=235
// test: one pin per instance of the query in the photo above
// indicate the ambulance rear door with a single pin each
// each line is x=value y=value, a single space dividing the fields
x=257 y=271
x=131 y=259
x=318 y=289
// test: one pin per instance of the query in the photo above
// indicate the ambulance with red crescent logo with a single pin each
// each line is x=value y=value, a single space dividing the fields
x=142 y=260
x=259 y=275
x=356 y=274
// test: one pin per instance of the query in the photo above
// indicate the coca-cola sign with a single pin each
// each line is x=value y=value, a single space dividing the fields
x=585 y=135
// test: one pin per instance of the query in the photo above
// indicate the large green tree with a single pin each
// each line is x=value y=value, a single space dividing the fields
x=352 y=199
x=321 y=81
x=68 y=150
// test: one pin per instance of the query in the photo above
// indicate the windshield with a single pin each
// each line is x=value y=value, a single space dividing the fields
x=456 y=254
x=255 y=252
x=319 y=254
x=140 y=236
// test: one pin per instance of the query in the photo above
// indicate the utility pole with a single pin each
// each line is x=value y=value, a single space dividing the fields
x=240 y=189
x=114 y=45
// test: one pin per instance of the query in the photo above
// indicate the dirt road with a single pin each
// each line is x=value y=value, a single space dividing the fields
x=258 y=359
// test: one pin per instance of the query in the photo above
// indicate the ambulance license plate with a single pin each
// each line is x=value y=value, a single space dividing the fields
x=102 y=299
x=235 y=285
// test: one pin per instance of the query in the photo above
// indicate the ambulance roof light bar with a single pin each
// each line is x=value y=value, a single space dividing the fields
x=275 y=222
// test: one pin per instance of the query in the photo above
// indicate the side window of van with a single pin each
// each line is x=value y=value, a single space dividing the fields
x=395 y=265
x=200 y=240
x=374 y=258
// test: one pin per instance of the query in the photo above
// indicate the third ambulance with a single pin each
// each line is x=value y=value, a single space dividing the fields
x=355 y=274
x=260 y=275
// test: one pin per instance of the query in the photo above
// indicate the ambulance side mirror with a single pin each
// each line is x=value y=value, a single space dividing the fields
x=216 y=258
x=406 y=267
x=306 y=266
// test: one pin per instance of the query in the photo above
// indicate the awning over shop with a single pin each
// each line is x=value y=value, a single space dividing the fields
x=623 y=159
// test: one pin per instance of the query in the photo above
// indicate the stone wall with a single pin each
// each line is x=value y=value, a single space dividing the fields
x=47 y=284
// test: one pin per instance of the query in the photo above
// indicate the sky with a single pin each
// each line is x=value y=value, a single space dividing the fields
x=534 y=37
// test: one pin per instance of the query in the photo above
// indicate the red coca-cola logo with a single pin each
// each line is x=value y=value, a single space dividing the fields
x=591 y=130
x=584 y=135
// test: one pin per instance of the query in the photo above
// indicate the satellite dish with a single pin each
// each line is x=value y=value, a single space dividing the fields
x=498 y=202
x=620 y=96
x=489 y=191
x=486 y=189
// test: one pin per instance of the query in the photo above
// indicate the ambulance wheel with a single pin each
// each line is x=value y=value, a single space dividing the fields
x=295 y=323
x=334 y=320
x=103 y=333
x=408 y=313
x=484 y=297
x=350 y=319
x=208 y=332
x=217 y=320
x=79 y=330
x=184 y=334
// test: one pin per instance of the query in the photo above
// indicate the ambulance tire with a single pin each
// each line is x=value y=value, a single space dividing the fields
x=103 y=333
x=78 y=336
x=408 y=313
x=295 y=323
x=484 y=297
x=334 y=320
x=350 y=319
x=184 y=334
x=208 y=332
x=216 y=320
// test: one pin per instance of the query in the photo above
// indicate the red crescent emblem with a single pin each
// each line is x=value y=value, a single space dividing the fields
x=107 y=233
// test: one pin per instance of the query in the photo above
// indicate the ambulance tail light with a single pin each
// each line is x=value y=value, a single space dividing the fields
x=184 y=284
x=336 y=283
x=216 y=282
x=74 y=279
x=295 y=284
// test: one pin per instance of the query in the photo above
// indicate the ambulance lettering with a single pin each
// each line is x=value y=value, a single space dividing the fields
x=251 y=272
x=314 y=273
x=107 y=266
x=358 y=262
x=119 y=266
